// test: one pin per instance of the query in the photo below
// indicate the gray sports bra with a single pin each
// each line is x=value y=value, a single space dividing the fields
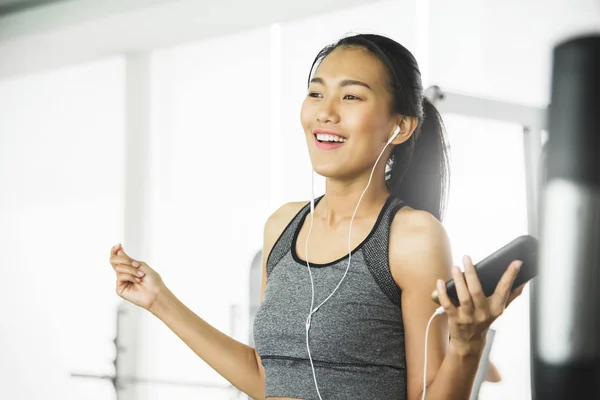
x=356 y=337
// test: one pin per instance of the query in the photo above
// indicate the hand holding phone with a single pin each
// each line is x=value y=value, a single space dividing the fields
x=491 y=269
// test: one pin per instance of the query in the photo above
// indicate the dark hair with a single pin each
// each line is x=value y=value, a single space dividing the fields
x=419 y=172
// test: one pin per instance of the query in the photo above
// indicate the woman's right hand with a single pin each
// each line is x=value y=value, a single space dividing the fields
x=136 y=281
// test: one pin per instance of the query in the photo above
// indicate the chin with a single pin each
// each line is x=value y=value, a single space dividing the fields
x=319 y=170
x=330 y=171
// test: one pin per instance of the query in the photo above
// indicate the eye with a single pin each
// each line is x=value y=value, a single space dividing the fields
x=314 y=94
x=351 y=97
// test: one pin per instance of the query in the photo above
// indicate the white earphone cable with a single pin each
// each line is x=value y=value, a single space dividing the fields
x=312 y=285
x=438 y=311
x=312 y=311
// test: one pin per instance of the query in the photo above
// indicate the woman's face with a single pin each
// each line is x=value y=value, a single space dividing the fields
x=347 y=102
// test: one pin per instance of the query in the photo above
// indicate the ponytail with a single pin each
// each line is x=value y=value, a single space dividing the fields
x=420 y=168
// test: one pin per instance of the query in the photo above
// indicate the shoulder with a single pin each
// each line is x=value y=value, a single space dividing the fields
x=283 y=215
x=274 y=227
x=419 y=249
x=417 y=227
x=279 y=220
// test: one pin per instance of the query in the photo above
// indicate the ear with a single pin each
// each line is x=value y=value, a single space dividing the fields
x=407 y=128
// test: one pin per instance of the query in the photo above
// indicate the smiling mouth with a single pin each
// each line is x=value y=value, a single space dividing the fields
x=328 y=143
x=327 y=138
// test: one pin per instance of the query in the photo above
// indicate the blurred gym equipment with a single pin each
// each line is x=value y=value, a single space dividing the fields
x=565 y=310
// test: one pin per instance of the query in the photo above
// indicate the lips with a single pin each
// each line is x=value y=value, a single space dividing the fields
x=325 y=132
x=327 y=145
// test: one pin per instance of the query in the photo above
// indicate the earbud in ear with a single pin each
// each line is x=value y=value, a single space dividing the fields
x=396 y=132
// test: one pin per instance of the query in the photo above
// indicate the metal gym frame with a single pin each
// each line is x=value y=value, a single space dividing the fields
x=534 y=123
x=532 y=119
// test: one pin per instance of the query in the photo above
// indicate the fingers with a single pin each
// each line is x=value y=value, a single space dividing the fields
x=473 y=283
x=121 y=252
x=515 y=293
x=115 y=249
x=123 y=269
x=127 y=269
x=502 y=292
x=127 y=278
x=520 y=288
x=122 y=260
x=118 y=256
x=444 y=299
x=466 y=303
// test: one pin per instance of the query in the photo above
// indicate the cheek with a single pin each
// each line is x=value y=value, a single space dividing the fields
x=305 y=115
x=361 y=120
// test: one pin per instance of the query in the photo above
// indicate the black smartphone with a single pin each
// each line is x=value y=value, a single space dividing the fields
x=490 y=269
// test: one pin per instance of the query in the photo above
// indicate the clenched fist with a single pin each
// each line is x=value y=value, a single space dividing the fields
x=136 y=281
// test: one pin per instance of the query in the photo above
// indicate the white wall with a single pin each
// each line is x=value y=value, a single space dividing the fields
x=61 y=162
x=75 y=31
x=209 y=194
x=503 y=49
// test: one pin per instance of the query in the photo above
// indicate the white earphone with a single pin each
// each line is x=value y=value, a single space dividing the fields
x=396 y=132
x=312 y=211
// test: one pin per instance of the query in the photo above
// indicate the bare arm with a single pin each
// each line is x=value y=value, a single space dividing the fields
x=236 y=362
x=233 y=360
x=420 y=255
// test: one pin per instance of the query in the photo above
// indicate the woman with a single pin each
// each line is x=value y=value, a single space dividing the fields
x=367 y=341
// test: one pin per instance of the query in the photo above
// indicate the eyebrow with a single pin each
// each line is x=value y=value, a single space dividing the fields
x=345 y=82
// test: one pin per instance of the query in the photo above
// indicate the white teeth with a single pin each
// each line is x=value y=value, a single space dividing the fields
x=330 y=138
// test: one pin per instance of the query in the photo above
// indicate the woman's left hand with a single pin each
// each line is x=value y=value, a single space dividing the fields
x=468 y=323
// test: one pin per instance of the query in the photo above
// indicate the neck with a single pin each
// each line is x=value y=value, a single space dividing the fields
x=341 y=199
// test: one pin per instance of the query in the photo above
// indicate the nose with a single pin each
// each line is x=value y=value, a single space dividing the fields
x=328 y=112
